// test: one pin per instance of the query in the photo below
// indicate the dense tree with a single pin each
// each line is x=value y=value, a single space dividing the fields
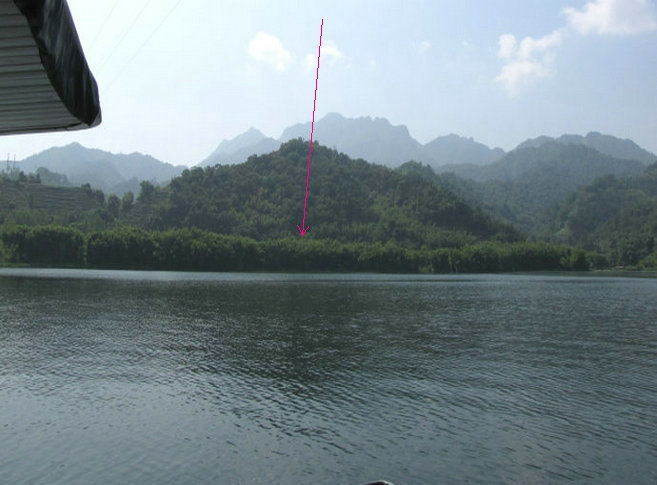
x=363 y=218
x=122 y=247
x=350 y=201
x=51 y=178
x=113 y=205
x=127 y=201
x=193 y=249
x=43 y=245
x=616 y=217
x=147 y=190
x=529 y=181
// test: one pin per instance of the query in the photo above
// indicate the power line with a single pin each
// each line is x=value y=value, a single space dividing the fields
x=125 y=34
x=150 y=36
x=102 y=27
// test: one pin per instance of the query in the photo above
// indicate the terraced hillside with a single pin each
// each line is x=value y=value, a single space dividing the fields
x=18 y=197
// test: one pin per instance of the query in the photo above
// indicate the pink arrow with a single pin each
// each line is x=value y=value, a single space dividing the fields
x=303 y=229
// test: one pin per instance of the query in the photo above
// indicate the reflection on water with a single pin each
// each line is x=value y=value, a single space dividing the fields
x=110 y=377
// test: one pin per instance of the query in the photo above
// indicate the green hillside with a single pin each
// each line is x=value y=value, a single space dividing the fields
x=25 y=201
x=571 y=164
x=617 y=217
x=526 y=183
x=350 y=201
x=363 y=217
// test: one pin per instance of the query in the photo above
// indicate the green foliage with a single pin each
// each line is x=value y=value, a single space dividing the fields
x=127 y=201
x=121 y=248
x=616 y=217
x=194 y=249
x=113 y=205
x=350 y=201
x=51 y=178
x=50 y=245
x=147 y=191
x=527 y=182
x=363 y=217
x=94 y=194
x=649 y=262
x=525 y=256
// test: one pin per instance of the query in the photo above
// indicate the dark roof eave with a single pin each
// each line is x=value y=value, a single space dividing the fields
x=62 y=60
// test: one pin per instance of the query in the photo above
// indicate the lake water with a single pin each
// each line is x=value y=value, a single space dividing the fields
x=146 y=377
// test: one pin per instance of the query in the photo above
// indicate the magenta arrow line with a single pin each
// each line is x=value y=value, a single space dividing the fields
x=303 y=229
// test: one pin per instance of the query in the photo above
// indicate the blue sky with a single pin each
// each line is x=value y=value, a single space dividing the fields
x=178 y=76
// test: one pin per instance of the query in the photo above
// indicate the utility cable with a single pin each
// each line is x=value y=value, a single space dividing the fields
x=102 y=27
x=125 y=34
x=143 y=44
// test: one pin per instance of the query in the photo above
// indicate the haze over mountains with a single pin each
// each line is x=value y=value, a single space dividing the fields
x=528 y=181
x=378 y=141
x=539 y=189
x=560 y=164
x=607 y=144
x=373 y=139
x=110 y=172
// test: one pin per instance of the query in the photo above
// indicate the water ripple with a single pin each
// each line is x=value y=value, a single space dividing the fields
x=488 y=379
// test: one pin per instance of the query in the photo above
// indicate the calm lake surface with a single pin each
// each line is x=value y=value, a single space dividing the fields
x=143 y=377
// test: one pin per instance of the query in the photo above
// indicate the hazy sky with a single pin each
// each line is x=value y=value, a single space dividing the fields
x=178 y=76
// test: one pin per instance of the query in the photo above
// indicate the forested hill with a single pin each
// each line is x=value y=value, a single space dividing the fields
x=521 y=187
x=571 y=165
x=362 y=217
x=617 y=217
x=350 y=200
x=110 y=172
x=607 y=144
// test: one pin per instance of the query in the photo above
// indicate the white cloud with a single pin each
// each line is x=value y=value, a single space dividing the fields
x=533 y=58
x=310 y=62
x=267 y=48
x=615 y=17
x=421 y=47
x=507 y=46
x=330 y=54
x=331 y=51
x=527 y=60
x=371 y=65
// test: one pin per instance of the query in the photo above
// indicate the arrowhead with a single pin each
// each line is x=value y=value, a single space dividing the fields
x=303 y=231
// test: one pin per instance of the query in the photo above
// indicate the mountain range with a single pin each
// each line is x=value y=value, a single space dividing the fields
x=373 y=139
x=538 y=172
x=378 y=141
x=548 y=189
x=615 y=216
x=110 y=172
x=607 y=144
x=352 y=201
x=527 y=182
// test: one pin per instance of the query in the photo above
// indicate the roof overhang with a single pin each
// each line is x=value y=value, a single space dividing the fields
x=45 y=82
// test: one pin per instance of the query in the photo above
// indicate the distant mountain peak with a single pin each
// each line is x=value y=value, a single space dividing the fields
x=377 y=140
x=333 y=116
x=374 y=139
x=249 y=137
x=455 y=149
x=107 y=171
x=606 y=144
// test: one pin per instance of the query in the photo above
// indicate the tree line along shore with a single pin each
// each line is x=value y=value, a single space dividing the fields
x=198 y=250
